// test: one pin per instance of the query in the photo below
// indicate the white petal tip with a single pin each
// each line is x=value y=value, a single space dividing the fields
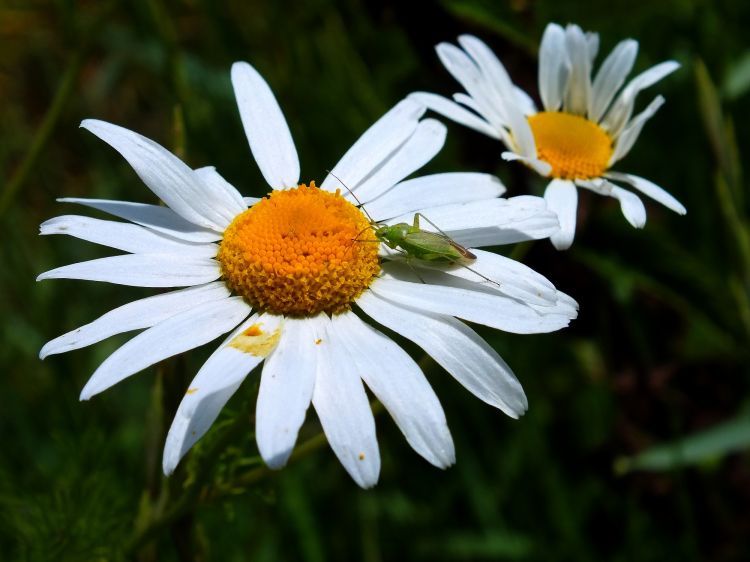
x=239 y=66
x=367 y=484
x=276 y=462
x=445 y=462
x=417 y=97
x=87 y=392
x=91 y=124
x=561 y=242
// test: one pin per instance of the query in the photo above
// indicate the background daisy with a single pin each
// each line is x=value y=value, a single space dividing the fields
x=586 y=125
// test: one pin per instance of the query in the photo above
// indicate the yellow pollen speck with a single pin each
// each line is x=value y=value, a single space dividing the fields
x=253 y=330
x=318 y=342
x=255 y=341
x=575 y=147
x=191 y=391
x=361 y=456
x=299 y=252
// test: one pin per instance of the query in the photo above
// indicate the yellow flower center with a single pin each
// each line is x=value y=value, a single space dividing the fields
x=575 y=147
x=299 y=252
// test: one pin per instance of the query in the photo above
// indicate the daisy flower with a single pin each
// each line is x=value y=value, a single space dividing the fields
x=291 y=277
x=586 y=126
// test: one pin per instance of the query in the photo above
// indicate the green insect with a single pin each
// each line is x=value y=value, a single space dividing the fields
x=415 y=243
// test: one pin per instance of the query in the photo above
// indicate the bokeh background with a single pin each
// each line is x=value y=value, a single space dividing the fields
x=635 y=443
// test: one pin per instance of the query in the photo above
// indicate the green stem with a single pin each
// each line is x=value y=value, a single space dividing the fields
x=195 y=494
x=62 y=96
x=43 y=134
x=188 y=500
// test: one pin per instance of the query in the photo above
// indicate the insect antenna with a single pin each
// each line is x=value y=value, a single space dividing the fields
x=475 y=272
x=361 y=205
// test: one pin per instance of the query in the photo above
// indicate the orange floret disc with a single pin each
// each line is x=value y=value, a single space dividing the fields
x=575 y=147
x=299 y=252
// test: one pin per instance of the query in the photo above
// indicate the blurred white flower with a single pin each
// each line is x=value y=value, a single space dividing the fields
x=586 y=126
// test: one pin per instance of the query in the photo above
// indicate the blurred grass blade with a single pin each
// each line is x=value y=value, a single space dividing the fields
x=720 y=134
x=737 y=80
x=704 y=446
x=43 y=134
x=477 y=13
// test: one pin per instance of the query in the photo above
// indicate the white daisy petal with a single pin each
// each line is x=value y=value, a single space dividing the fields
x=650 y=189
x=562 y=198
x=166 y=175
x=467 y=73
x=489 y=222
x=498 y=79
x=556 y=303
x=420 y=148
x=491 y=310
x=218 y=379
x=123 y=236
x=465 y=100
x=155 y=217
x=619 y=114
x=597 y=185
x=629 y=135
x=455 y=347
x=455 y=112
x=216 y=183
x=181 y=332
x=141 y=270
x=610 y=77
x=250 y=201
x=498 y=273
x=438 y=189
x=578 y=89
x=524 y=102
x=286 y=388
x=344 y=412
x=265 y=127
x=539 y=166
x=397 y=381
x=501 y=133
x=135 y=315
x=592 y=45
x=564 y=305
x=631 y=205
x=553 y=67
x=375 y=145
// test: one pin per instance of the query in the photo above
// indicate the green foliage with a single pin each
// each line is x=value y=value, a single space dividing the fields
x=653 y=372
x=702 y=447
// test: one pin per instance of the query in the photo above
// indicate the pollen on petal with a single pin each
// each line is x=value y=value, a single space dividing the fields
x=575 y=147
x=299 y=252
x=255 y=341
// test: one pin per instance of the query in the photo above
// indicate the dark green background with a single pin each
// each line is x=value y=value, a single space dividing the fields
x=659 y=352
